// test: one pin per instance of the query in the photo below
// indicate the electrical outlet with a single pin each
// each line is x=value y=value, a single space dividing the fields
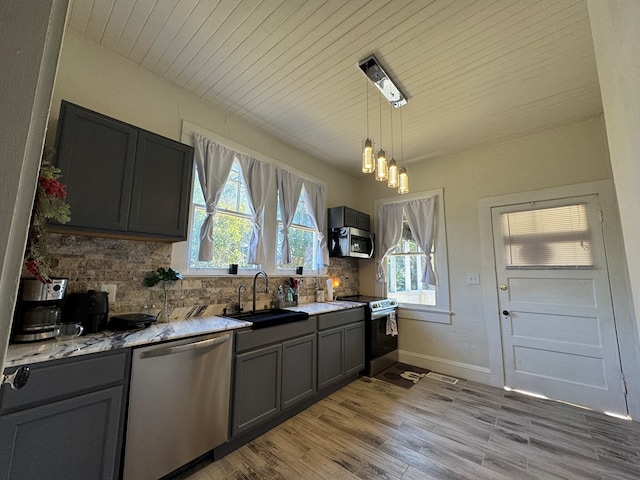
x=111 y=291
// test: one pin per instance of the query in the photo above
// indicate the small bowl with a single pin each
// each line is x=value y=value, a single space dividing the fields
x=67 y=331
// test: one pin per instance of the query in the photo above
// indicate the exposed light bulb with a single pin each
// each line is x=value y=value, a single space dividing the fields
x=368 y=163
x=381 y=166
x=392 y=174
x=403 y=180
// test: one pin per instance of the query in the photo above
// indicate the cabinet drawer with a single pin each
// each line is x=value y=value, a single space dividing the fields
x=343 y=317
x=64 y=378
x=249 y=339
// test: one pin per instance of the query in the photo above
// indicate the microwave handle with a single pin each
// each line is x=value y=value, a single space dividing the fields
x=373 y=246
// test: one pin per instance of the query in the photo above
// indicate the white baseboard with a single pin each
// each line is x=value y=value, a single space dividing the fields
x=460 y=370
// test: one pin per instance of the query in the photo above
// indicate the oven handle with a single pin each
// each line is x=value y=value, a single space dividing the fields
x=382 y=313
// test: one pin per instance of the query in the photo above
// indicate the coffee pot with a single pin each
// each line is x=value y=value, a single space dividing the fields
x=38 y=310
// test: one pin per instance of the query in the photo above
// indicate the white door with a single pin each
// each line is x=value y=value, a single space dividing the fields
x=558 y=331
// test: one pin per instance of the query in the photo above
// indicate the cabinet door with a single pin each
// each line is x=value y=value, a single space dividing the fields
x=161 y=186
x=350 y=217
x=66 y=440
x=354 y=348
x=96 y=155
x=330 y=356
x=364 y=222
x=257 y=387
x=298 y=370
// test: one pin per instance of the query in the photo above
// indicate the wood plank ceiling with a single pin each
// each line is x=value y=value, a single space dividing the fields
x=476 y=72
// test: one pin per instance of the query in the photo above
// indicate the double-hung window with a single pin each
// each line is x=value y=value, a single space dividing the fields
x=236 y=215
x=405 y=265
x=422 y=293
x=302 y=238
x=232 y=225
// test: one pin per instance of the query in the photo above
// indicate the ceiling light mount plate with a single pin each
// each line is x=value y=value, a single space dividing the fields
x=374 y=71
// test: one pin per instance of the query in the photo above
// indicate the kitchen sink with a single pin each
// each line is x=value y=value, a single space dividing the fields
x=270 y=317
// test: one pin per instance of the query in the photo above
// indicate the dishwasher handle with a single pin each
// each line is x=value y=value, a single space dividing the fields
x=161 y=352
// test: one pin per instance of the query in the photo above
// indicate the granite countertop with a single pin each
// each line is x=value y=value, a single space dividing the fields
x=30 y=353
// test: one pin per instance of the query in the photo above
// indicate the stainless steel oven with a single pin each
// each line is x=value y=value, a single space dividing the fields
x=381 y=348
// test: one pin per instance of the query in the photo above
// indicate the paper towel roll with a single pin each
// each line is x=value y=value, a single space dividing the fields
x=329 y=290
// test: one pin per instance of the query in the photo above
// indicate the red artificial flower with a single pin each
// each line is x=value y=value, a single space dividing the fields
x=53 y=187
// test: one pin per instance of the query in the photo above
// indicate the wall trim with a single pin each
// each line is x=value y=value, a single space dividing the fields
x=475 y=373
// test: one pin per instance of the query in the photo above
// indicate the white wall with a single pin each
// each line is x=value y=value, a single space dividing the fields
x=573 y=154
x=616 y=38
x=95 y=78
x=29 y=41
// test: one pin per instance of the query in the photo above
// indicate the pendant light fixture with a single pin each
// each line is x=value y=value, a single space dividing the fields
x=381 y=159
x=396 y=177
x=392 y=170
x=403 y=175
x=368 y=164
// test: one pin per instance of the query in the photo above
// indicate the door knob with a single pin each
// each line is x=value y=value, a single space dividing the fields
x=17 y=379
x=505 y=313
x=503 y=287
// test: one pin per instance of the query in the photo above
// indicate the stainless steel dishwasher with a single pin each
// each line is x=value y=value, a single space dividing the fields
x=178 y=404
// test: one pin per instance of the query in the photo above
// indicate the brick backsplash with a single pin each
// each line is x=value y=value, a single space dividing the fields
x=89 y=262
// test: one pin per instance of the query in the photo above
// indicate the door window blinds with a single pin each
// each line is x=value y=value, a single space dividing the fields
x=558 y=237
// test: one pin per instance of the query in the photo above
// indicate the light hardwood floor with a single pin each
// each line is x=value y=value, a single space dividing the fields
x=374 y=430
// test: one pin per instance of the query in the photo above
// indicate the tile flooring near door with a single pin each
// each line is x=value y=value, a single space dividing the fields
x=374 y=430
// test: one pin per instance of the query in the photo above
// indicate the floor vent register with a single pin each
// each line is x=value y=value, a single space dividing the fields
x=442 y=378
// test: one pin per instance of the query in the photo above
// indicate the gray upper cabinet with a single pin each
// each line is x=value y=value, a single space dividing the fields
x=348 y=217
x=122 y=181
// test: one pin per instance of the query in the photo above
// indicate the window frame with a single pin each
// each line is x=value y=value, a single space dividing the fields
x=180 y=250
x=441 y=312
x=291 y=270
x=214 y=270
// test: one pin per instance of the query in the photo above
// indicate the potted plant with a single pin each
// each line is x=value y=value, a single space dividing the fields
x=164 y=276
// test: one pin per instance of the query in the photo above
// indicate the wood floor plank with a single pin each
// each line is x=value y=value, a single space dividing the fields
x=374 y=430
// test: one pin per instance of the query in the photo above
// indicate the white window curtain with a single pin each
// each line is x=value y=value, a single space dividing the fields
x=213 y=163
x=420 y=219
x=289 y=188
x=420 y=216
x=317 y=209
x=257 y=176
x=389 y=233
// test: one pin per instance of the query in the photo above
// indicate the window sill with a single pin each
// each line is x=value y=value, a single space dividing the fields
x=425 y=314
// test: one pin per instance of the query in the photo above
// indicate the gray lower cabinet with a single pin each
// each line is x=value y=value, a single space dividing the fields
x=67 y=422
x=257 y=387
x=298 y=370
x=275 y=368
x=340 y=345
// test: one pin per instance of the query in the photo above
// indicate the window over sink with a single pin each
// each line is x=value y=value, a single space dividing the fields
x=233 y=222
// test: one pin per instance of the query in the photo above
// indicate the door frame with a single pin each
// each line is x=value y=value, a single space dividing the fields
x=619 y=281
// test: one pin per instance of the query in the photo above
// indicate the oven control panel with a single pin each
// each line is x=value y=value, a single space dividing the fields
x=384 y=304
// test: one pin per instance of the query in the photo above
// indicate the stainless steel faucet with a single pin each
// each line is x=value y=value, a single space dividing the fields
x=266 y=288
x=239 y=298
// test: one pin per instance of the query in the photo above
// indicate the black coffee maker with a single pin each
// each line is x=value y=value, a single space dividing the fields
x=91 y=309
x=38 y=309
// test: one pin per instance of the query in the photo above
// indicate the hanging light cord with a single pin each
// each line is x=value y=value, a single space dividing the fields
x=401 y=141
x=367 y=91
x=391 y=110
x=380 y=108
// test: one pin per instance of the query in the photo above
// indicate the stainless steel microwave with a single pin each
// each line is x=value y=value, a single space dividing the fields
x=351 y=242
